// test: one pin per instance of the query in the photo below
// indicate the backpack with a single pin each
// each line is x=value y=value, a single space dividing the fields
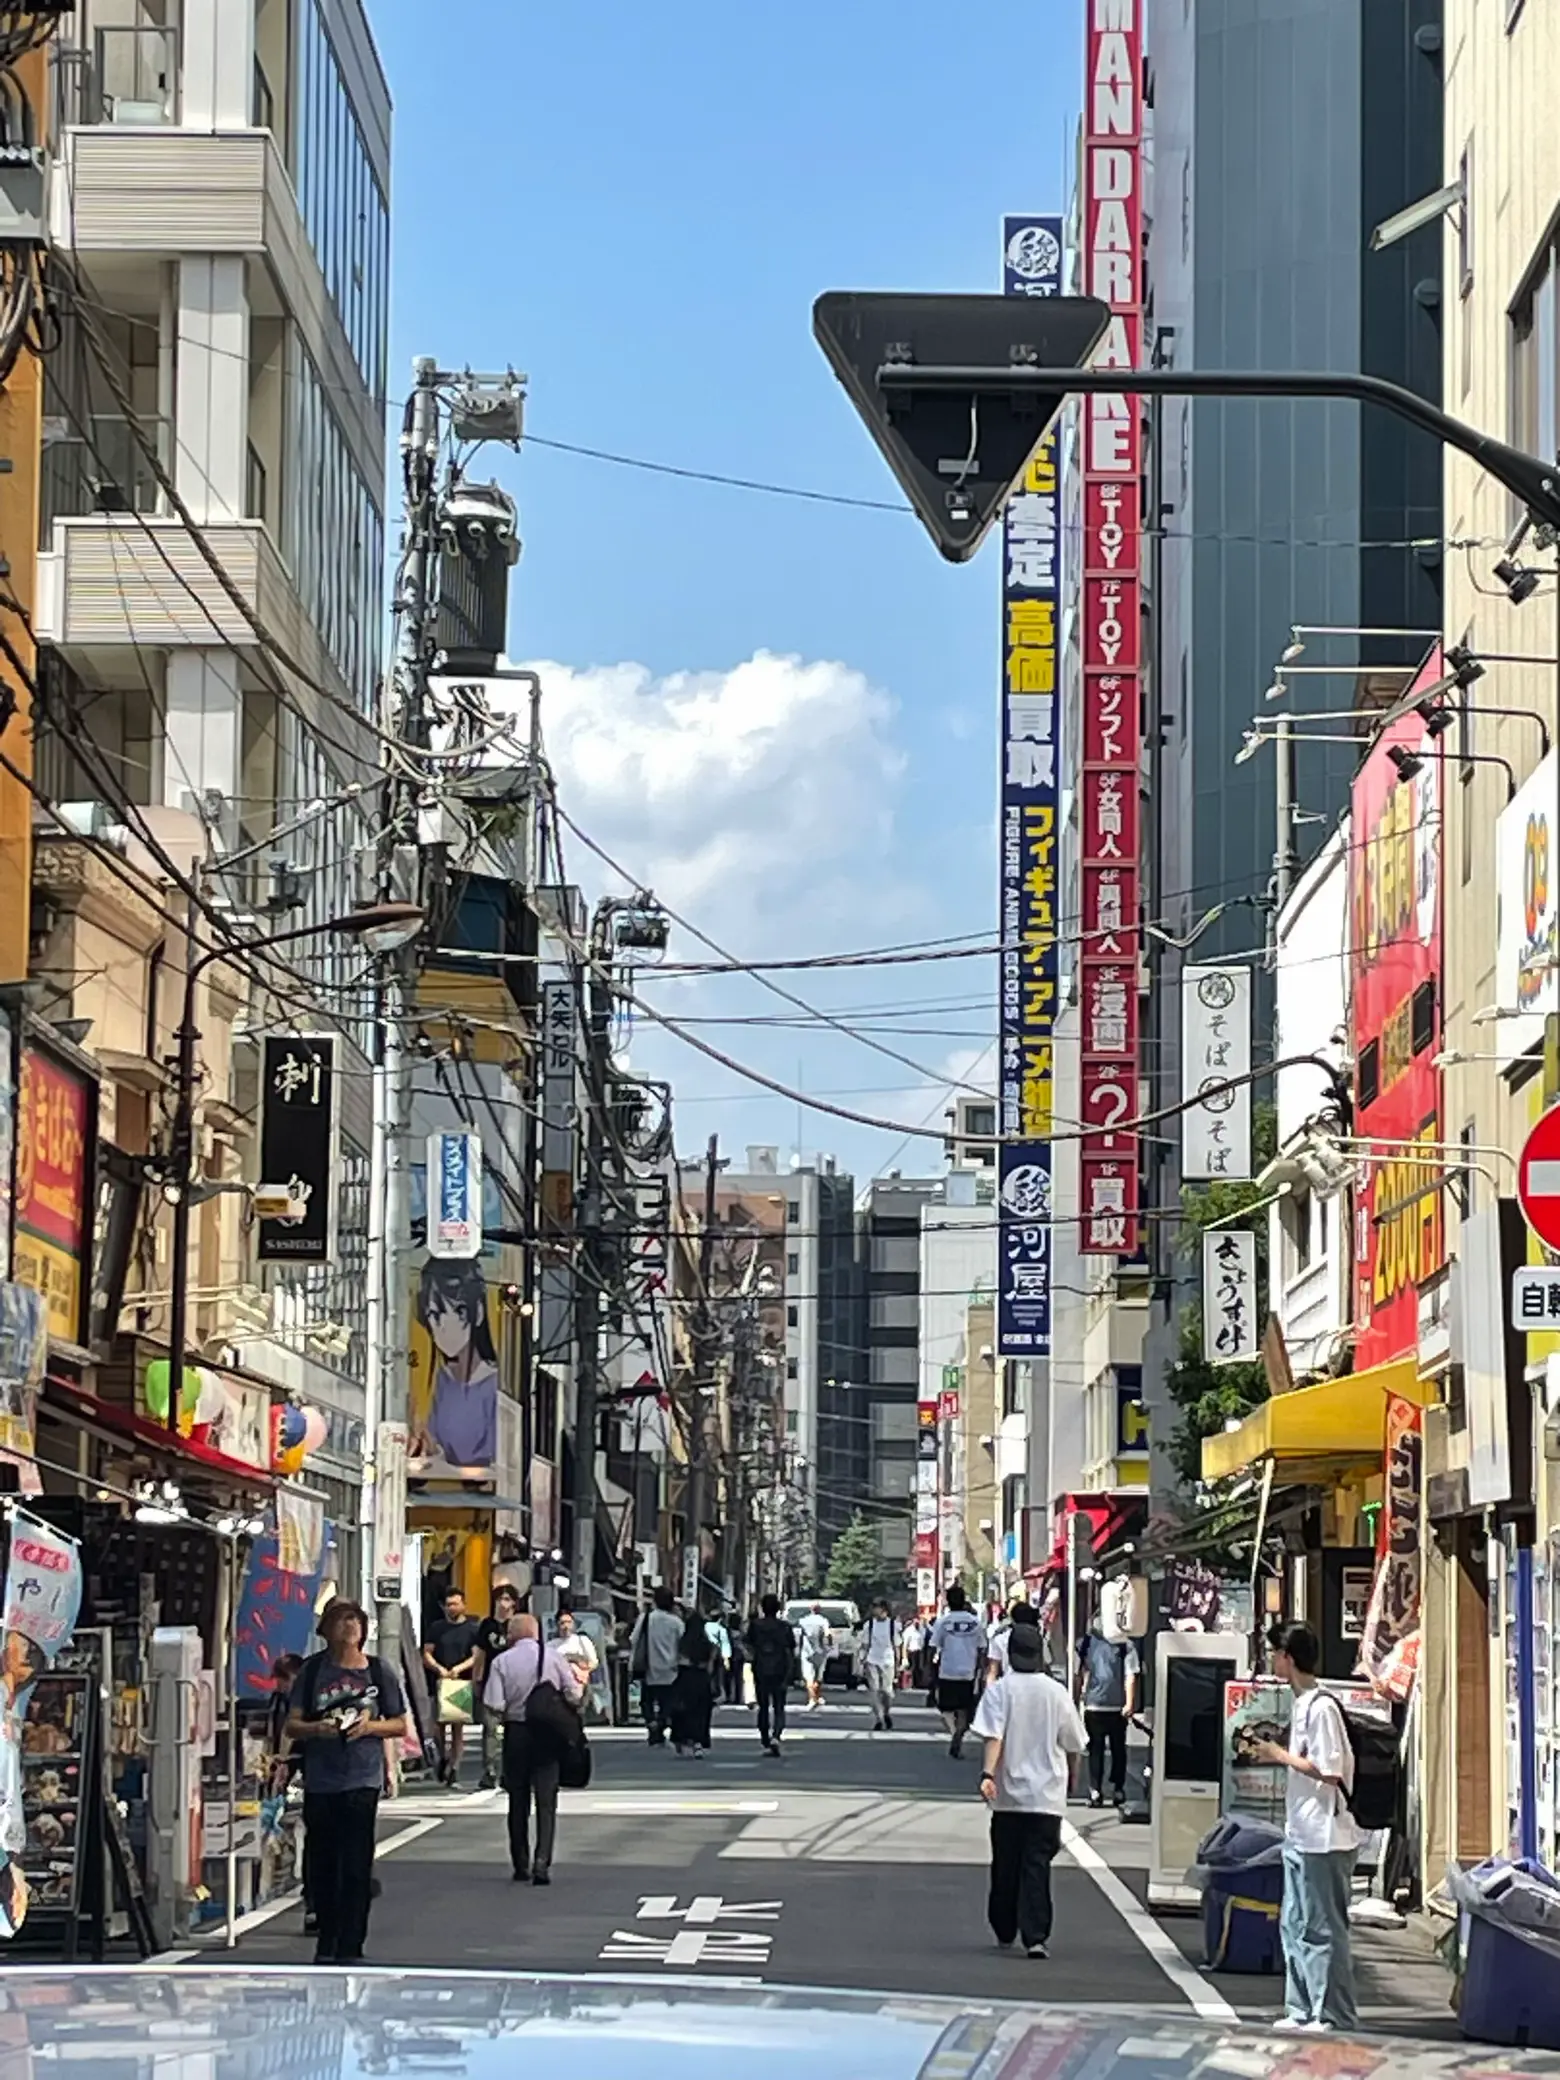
x=1377 y=1748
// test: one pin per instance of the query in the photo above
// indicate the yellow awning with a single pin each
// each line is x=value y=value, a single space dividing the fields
x=1334 y=1419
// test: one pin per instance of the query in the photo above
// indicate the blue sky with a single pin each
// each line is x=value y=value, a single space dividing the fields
x=637 y=207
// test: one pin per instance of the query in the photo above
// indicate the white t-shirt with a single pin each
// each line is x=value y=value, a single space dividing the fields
x=1038 y=1726
x=1316 y=1819
x=878 y=1643
x=814 y=1629
x=958 y=1641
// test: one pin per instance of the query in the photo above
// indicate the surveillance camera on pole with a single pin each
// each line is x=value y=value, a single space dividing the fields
x=931 y=377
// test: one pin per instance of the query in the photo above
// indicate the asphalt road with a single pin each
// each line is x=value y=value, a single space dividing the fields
x=857 y=1859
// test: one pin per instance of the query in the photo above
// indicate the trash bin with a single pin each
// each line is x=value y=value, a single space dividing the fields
x=1510 y=1986
x=1240 y=1867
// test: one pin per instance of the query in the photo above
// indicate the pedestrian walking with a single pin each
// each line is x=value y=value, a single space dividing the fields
x=345 y=1705
x=1107 y=1689
x=652 y=1656
x=492 y=1639
x=450 y=1657
x=771 y=1646
x=910 y=1645
x=530 y=1754
x=738 y=1662
x=1321 y=1842
x=959 y=1647
x=1021 y=1613
x=693 y=1697
x=1031 y=1730
x=579 y=1650
x=879 y=1660
x=813 y=1637
x=720 y=1639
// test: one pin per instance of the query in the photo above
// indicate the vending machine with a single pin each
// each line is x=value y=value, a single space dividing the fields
x=1190 y=1671
x=173 y=1846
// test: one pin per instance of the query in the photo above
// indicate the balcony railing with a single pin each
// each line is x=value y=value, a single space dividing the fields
x=104 y=469
x=129 y=77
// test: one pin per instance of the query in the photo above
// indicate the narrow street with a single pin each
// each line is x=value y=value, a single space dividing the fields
x=857 y=1860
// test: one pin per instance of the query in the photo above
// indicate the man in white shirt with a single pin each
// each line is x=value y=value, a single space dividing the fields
x=959 y=1644
x=1321 y=1841
x=1023 y=1612
x=530 y=1763
x=1031 y=1729
x=879 y=1660
x=813 y=1639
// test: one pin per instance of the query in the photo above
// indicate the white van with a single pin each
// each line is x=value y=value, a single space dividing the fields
x=844 y=1634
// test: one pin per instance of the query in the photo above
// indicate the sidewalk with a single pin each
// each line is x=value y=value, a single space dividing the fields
x=1404 y=1989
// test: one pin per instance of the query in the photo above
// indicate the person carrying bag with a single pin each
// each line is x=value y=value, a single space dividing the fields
x=532 y=1688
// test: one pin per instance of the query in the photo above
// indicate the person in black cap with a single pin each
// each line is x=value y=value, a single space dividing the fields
x=1031 y=1728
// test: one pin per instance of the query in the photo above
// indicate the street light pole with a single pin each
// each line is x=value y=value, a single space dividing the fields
x=389 y=923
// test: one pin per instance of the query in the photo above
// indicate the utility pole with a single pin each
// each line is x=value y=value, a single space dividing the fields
x=706 y=1344
x=1285 y=853
x=593 y=1272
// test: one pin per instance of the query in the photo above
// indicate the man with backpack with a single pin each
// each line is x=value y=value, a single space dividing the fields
x=1321 y=1840
x=527 y=1687
x=345 y=1705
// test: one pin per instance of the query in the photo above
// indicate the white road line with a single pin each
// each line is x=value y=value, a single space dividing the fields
x=1204 y=1999
x=257 y=1917
x=667 y=1808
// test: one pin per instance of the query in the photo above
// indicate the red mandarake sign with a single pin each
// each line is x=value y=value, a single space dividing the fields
x=1538 y=1178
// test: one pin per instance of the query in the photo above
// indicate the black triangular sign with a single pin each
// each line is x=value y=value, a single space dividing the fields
x=957 y=449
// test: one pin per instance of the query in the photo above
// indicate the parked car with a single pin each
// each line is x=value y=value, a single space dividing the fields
x=844 y=1664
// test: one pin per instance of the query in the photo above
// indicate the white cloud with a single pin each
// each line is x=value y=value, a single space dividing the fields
x=762 y=796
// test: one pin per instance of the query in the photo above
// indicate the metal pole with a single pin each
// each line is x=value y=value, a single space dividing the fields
x=231 y=1937
x=374 y=1353
x=1527 y=1694
x=1285 y=857
x=704 y=1365
x=183 y=1164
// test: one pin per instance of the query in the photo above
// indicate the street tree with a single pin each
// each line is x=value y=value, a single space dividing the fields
x=857 y=1569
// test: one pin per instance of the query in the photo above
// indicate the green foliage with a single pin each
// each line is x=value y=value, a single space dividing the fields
x=856 y=1566
x=1208 y=1396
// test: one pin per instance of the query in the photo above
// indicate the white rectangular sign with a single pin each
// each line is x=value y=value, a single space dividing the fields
x=1535 y=1298
x=455 y=1194
x=1230 y=1329
x=389 y=1510
x=1527 y=899
x=1216 y=1048
x=1479 y=1340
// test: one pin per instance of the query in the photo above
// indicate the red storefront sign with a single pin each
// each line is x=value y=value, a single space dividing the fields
x=1395 y=965
x=1112 y=635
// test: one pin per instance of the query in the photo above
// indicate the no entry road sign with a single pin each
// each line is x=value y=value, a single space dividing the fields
x=1538 y=1178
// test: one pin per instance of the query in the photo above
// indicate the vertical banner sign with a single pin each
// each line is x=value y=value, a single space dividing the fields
x=53 y=1185
x=1229 y=1295
x=1031 y=266
x=1112 y=444
x=298 y=1144
x=42 y=1599
x=1390 y=1653
x=455 y=1194
x=1215 y=1050
x=555 y=1285
x=1395 y=1008
x=925 y=1548
x=389 y=1510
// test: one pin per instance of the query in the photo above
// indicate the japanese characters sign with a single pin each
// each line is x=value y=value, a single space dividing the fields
x=1535 y=1298
x=1390 y=1654
x=53 y=1171
x=1230 y=1326
x=454 y=1194
x=1215 y=1053
x=1527 y=895
x=1395 y=977
x=42 y=1599
x=1031 y=580
x=1111 y=439
x=298 y=1144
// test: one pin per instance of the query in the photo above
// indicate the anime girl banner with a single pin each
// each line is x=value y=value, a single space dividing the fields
x=455 y=1335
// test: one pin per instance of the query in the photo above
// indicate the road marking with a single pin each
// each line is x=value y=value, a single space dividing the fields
x=704 y=1910
x=688 y=1946
x=1203 y=1999
x=670 y=1808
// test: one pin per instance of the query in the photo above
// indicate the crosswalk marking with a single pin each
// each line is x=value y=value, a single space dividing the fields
x=705 y=1909
x=688 y=1946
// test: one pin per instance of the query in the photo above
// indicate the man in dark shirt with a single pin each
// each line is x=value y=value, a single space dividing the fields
x=492 y=1639
x=771 y=1644
x=345 y=1705
x=450 y=1654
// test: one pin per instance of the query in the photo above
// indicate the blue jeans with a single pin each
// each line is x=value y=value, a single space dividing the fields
x=1318 y=1962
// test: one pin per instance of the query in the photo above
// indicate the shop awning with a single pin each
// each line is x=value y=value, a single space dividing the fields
x=1315 y=1427
x=72 y=1400
x=454 y=1498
